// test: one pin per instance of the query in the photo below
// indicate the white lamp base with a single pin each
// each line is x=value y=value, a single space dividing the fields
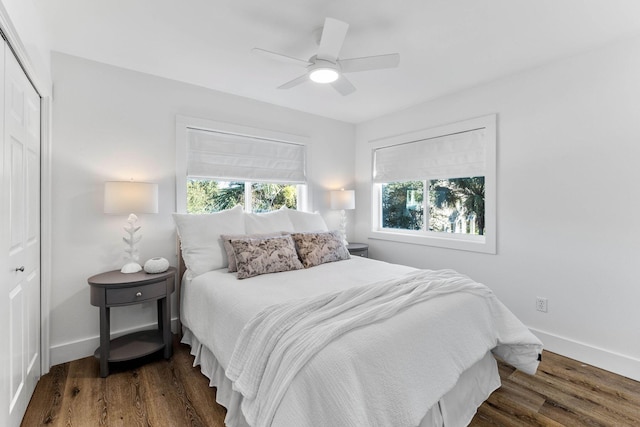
x=131 y=267
x=343 y=226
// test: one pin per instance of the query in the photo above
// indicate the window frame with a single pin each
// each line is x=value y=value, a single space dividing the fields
x=485 y=243
x=185 y=123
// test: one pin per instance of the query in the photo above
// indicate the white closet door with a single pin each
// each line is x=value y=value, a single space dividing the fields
x=20 y=251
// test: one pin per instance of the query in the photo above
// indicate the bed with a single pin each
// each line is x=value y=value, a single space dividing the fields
x=348 y=341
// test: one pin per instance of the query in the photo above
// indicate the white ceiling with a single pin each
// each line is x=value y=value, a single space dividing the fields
x=444 y=45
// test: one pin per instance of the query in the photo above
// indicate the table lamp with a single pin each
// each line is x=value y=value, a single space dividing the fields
x=343 y=200
x=129 y=197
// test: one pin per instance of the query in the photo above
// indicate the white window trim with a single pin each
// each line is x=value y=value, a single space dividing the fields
x=485 y=243
x=184 y=123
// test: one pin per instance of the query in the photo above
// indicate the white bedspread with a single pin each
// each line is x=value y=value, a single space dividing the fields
x=276 y=344
x=382 y=374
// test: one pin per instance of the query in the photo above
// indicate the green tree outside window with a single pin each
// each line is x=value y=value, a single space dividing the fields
x=206 y=196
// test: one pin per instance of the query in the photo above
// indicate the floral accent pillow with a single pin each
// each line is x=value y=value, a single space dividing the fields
x=262 y=256
x=319 y=248
x=226 y=240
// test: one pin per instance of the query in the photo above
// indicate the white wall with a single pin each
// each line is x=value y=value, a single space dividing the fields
x=568 y=202
x=28 y=22
x=113 y=124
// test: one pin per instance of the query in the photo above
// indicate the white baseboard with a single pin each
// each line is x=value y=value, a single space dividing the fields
x=74 y=350
x=614 y=362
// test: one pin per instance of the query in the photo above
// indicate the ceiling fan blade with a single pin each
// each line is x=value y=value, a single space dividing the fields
x=369 y=63
x=333 y=34
x=343 y=86
x=295 y=82
x=280 y=57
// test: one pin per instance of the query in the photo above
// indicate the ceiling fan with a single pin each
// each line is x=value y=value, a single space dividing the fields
x=326 y=67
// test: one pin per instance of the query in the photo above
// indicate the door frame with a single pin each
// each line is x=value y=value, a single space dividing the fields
x=44 y=87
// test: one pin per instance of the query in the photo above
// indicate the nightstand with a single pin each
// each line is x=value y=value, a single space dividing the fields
x=116 y=289
x=358 y=249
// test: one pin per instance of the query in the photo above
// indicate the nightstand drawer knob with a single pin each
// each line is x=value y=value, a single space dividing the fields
x=139 y=294
x=21 y=268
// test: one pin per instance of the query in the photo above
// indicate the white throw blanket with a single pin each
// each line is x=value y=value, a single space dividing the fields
x=276 y=344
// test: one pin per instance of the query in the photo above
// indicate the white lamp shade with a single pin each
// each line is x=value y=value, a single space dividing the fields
x=343 y=199
x=125 y=197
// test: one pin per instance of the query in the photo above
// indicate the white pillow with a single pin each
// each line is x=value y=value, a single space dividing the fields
x=304 y=222
x=269 y=222
x=202 y=247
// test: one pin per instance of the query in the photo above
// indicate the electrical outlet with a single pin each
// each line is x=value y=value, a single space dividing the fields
x=541 y=304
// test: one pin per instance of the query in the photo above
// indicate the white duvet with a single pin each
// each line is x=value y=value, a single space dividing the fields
x=368 y=368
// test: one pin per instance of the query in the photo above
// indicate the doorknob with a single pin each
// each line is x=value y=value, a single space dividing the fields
x=21 y=268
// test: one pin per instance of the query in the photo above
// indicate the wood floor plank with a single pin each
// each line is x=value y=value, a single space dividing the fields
x=158 y=392
x=505 y=369
x=51 y=387
x=84 y=395
x=511 y=412
x=611 y=404
x=196 y=388
x=577 y=400
x=508 y=414
x=568 y=417
x=168 y=392
x=126 y=400
x=589 y=376
x=575 y=394
x=523 y=398
x=167 y=406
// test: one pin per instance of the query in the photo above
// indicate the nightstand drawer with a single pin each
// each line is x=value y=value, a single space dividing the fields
x=136 y=293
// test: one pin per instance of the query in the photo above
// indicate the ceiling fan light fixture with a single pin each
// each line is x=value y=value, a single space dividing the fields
x=324 y=75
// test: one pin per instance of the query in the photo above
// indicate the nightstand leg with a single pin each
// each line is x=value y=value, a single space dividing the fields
x=105 y=336
x=164 y=325
x=160 y=316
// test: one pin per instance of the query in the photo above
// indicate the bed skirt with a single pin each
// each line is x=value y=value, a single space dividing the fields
x=457 y=407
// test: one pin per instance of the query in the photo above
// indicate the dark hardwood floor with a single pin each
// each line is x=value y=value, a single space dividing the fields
x=157 y=392
x=564 y=392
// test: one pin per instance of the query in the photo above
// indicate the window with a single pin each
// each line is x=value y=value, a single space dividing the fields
x=402 y=205
x=437 y=187
x=207 y=195
x=456 y=205
x=220 y=165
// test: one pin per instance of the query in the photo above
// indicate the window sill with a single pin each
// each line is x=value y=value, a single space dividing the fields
x=483 y=244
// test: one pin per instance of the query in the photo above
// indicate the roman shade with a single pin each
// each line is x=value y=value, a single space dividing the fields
x=457 y=155
x=233 y=157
